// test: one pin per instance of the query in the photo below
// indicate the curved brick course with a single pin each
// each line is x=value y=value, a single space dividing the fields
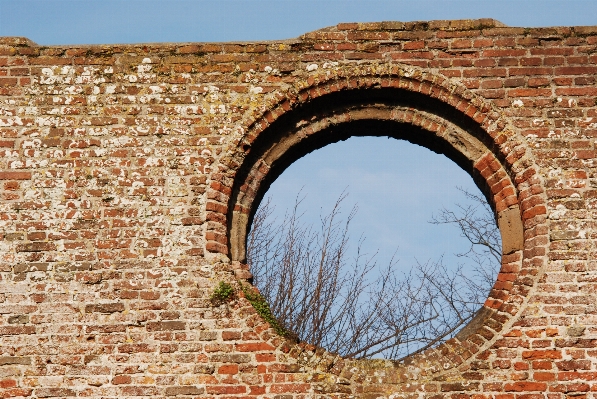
x=129 y=174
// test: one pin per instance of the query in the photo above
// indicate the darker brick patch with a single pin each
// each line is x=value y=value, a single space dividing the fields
x=54 y=392
x=104 y=307
x=184 y=390
x=14 y=360
x=166 y=325
x=18 y=319
x=36 y=247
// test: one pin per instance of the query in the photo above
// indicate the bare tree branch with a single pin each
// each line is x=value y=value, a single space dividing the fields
x=355 y=308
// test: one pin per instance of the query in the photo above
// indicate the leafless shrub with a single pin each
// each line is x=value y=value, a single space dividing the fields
x=346 y=303
x=476 y=222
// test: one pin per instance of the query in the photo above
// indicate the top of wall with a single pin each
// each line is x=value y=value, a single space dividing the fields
x=482 y=26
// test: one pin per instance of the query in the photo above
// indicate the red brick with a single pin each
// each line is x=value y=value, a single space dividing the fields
x=578 y=70
x=523 y=386
x=254 y=347
x=289 y=388
x=228 y=369
x=231 y=335
x=15 y=175
x=226 y=389
x=542 y=354
x=121 y=379
x=4 y=82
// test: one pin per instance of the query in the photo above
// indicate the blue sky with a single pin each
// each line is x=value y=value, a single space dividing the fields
x=397 y=186
x=375 y=170
x=129 y=21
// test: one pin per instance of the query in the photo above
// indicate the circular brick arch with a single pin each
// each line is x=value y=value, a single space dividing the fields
x=427 y=110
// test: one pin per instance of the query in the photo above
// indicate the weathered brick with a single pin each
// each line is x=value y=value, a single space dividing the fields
x=254 y=347
x=542 y=354
x=166 y=325
x=525 y=386
x=121 y=379
x=104 y=307
x=184 y=390
x=14 y=175
x=54 y=392
x=14 y=360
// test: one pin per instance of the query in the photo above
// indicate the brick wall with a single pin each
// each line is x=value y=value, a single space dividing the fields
x=129 y=174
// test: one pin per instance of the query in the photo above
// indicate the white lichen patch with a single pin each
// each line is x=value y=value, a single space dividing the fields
x=255 y=90
x=47 y=72
x=558 y=213
x=6 y=122
x=143 y=68
x=217 y=109
x=29 y=110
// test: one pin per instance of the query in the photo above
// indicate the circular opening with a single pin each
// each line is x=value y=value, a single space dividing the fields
x=331 y=114
x=421 y=271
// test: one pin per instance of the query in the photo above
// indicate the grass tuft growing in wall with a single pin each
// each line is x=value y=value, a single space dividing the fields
x=223 y=293
x=262 y=307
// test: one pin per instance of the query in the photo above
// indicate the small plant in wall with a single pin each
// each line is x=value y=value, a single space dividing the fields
x=260 y=305
x=224 y=292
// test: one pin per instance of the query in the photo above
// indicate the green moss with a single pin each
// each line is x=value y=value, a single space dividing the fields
x=262 y=308
x=222 y=293
x=225 y=292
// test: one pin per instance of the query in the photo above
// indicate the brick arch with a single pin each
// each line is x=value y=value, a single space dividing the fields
x=492 y=128
x=417 y=126
x=433 y=112
x=409 y=78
